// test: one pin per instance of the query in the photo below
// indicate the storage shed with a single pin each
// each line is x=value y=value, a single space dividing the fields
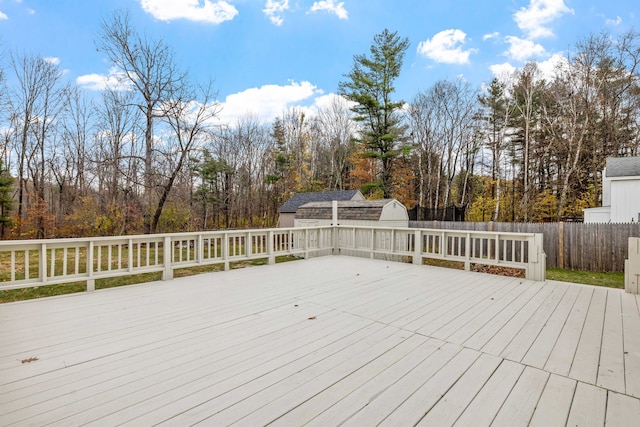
x=380 y=213
x=620 y=190
x=287 y=211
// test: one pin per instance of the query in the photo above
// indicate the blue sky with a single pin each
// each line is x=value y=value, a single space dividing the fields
x=267 y=55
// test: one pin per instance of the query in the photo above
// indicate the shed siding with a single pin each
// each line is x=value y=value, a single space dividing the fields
x=625 y=198
x=606 y=189
x=285 y=220
x=394 y=211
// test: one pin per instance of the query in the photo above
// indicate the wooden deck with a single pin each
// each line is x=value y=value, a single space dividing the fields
x=322 y=342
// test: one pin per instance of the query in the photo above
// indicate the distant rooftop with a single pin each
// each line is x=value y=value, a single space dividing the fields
x=300 y=199
x=369 y=210
x=623 y=166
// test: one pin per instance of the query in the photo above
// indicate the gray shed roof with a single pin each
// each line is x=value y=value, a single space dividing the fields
x=623 y=166
x=366 y=210
x=300 y=199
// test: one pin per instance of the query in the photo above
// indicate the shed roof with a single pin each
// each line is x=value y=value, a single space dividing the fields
x=365 y=210
x=300 y=199
x=623 y=166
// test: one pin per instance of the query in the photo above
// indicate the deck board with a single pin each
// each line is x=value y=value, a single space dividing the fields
x=321 y=342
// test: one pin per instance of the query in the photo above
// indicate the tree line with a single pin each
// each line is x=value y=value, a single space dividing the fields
x=149 y=155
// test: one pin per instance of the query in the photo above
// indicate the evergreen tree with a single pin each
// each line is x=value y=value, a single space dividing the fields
x=6 y=199
x=370 y=86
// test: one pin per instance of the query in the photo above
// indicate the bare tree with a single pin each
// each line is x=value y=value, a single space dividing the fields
x=149 y=67
x=526 y=92
x=189 y=116
x=36 y=102
x=68 y=165
x=334 y=131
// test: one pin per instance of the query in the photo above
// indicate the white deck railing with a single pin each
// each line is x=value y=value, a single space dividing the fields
x=513 y=250
x=632 y=267
x=29 y=263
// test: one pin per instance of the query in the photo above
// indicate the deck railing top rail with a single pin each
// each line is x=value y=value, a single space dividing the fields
x=29 y=263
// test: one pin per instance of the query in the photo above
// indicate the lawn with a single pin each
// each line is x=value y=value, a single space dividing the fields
x=112 y=282
x=609 y=280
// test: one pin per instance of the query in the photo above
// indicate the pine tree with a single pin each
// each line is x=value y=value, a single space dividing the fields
x=370 y=86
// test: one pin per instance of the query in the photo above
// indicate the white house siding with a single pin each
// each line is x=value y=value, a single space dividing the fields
x=625 y=198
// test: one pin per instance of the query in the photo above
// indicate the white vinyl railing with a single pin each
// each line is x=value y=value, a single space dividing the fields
x=514 y=250
x=632 y=267
x=29 y=263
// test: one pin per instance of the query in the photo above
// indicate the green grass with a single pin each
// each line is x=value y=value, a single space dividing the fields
x=112 y=282
x=609 y=280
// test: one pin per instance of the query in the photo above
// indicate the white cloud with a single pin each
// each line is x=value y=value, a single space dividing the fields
x=533 y=20
x=214 y=12
x=491 y=36
x=446 y=47
x=274 y=10
x=549 y=68
x=502 y=71
x=330 y=7
x=546 y=69
x=522 y=50
x=31 y=11
x=266 y=102
x=614 y=22
x=95 y=81
x=52 y=60
x=3 y=16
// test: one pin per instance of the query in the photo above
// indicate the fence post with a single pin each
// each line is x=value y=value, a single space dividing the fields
x=537 y=262
x=167 y=256
x=561 y=245
x=632 y=266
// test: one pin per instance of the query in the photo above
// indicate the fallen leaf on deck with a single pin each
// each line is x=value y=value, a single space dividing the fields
x=312 y=318
x=29 y=360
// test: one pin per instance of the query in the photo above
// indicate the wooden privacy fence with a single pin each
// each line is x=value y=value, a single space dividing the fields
x=574 y=246
x=29 y=263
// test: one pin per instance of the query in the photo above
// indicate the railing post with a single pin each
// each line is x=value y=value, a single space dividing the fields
x=306 y=243
x=225 y=251
x=42 y=263
x=467 y=252
x=91 y=282
x=632 y=267
x=272 y=257
x=200 y=249
x=130 y=255
x=537 y=262
x=417 y=247
x=248 y=245
x=373 y=242
x=335 y=236
x=167 y=274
